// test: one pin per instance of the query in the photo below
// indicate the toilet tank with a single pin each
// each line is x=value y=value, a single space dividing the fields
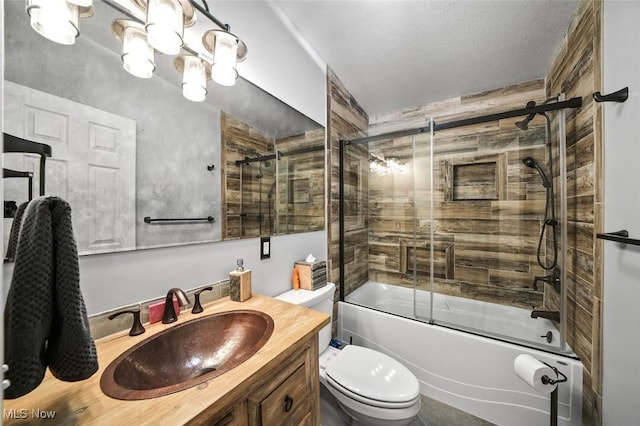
x=320 y=300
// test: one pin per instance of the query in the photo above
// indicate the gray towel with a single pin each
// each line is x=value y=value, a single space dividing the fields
x=15 y=231
x=45 y=319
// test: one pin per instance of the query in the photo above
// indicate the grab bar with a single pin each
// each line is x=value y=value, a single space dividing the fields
x=621 y=236
x=148 y=219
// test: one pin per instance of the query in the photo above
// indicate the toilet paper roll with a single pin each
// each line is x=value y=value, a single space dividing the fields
x=530 y=370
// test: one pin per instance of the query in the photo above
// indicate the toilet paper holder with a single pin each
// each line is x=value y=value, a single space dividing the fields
x=546 y=380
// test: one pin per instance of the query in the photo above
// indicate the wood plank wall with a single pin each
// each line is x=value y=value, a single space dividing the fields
x=377 y=235
x=239 y=140
x=268 y=213
x=301 y=184
x=488 y=206
x=347 y=120
x=576 y=72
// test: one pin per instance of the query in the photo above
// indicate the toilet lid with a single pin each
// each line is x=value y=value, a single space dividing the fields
x=373 y=375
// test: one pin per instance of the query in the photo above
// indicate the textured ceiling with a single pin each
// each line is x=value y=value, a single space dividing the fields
x=398 y=53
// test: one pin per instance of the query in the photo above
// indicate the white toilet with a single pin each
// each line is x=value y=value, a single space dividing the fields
x=371 y=387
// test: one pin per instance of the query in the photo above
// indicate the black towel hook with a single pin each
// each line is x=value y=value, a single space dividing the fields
x=619 y=96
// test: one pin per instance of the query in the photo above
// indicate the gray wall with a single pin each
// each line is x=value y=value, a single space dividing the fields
x=119 y=279
x=621 y=316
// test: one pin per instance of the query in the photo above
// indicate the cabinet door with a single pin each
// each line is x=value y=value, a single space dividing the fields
x=289 y=403
x=233 y=416
x=288 y=397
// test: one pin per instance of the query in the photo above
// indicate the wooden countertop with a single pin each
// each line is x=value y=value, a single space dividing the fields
x=83 y=403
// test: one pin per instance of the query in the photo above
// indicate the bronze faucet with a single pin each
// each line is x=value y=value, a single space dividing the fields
x=551 y=315
x=552 y=279
x=136 y=328
x=197 y=306
x=169 y=314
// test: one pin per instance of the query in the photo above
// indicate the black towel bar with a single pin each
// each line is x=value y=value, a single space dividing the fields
x=147 y=219
x=8 y=173
x=621 y=236
x=16 y=144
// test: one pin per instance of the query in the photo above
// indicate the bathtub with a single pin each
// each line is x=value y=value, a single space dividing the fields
x=464 y=370
x=501 y=322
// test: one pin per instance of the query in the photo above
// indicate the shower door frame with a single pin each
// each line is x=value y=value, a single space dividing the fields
x=434 y=127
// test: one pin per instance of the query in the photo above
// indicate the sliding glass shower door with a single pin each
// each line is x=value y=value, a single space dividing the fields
x=257 y=188
x=461 y=224
x=425 y=261
x=399 y=222
x=493 y=196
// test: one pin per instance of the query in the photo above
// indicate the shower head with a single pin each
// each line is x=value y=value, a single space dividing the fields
x=530 y=162
x=524 y=124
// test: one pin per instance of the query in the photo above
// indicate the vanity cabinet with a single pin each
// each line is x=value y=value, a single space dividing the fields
x=290 y=396
x=233 y=416
x=278 y=385
x=286 y=392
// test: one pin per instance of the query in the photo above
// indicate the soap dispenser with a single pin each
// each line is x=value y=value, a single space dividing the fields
x=240 y=283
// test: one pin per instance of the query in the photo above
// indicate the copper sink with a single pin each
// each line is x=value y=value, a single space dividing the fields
x=186 y=355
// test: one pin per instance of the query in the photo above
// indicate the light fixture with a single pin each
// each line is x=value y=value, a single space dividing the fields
x=165 y=23
x=227 y=51
x=57 y=20
x=137 y=54
x=81 y=3
x=195 y=73
x=162 y=30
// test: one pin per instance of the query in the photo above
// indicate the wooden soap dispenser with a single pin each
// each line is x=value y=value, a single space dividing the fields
x=240 y=283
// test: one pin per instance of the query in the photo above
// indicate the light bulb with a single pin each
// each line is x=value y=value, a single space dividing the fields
x=165 y=25
x=224 y=60
x=56 y=20
x=227 y=50
x=194 y=79
x=137 y=54
x=81 y=3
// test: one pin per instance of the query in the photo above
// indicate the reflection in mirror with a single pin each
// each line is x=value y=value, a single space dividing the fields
x=268 y=193
x=126 y=148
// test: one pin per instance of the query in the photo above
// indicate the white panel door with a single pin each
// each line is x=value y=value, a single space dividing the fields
x=621 y=302
x=92 y=165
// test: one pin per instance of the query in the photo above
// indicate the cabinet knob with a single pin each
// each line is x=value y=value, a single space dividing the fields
x=288 y=403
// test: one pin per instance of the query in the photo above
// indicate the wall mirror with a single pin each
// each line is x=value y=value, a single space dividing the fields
x=125 y=148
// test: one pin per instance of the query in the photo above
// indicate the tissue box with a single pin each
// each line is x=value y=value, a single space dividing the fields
x=313 y=275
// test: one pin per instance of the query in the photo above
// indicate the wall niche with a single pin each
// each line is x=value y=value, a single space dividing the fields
x=477 y=178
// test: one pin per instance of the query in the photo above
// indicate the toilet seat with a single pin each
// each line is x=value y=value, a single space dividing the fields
x=372 y=378
x=367 y=401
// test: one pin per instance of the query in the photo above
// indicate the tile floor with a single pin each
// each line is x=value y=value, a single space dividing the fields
x=435 y=413
x=432 y=413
